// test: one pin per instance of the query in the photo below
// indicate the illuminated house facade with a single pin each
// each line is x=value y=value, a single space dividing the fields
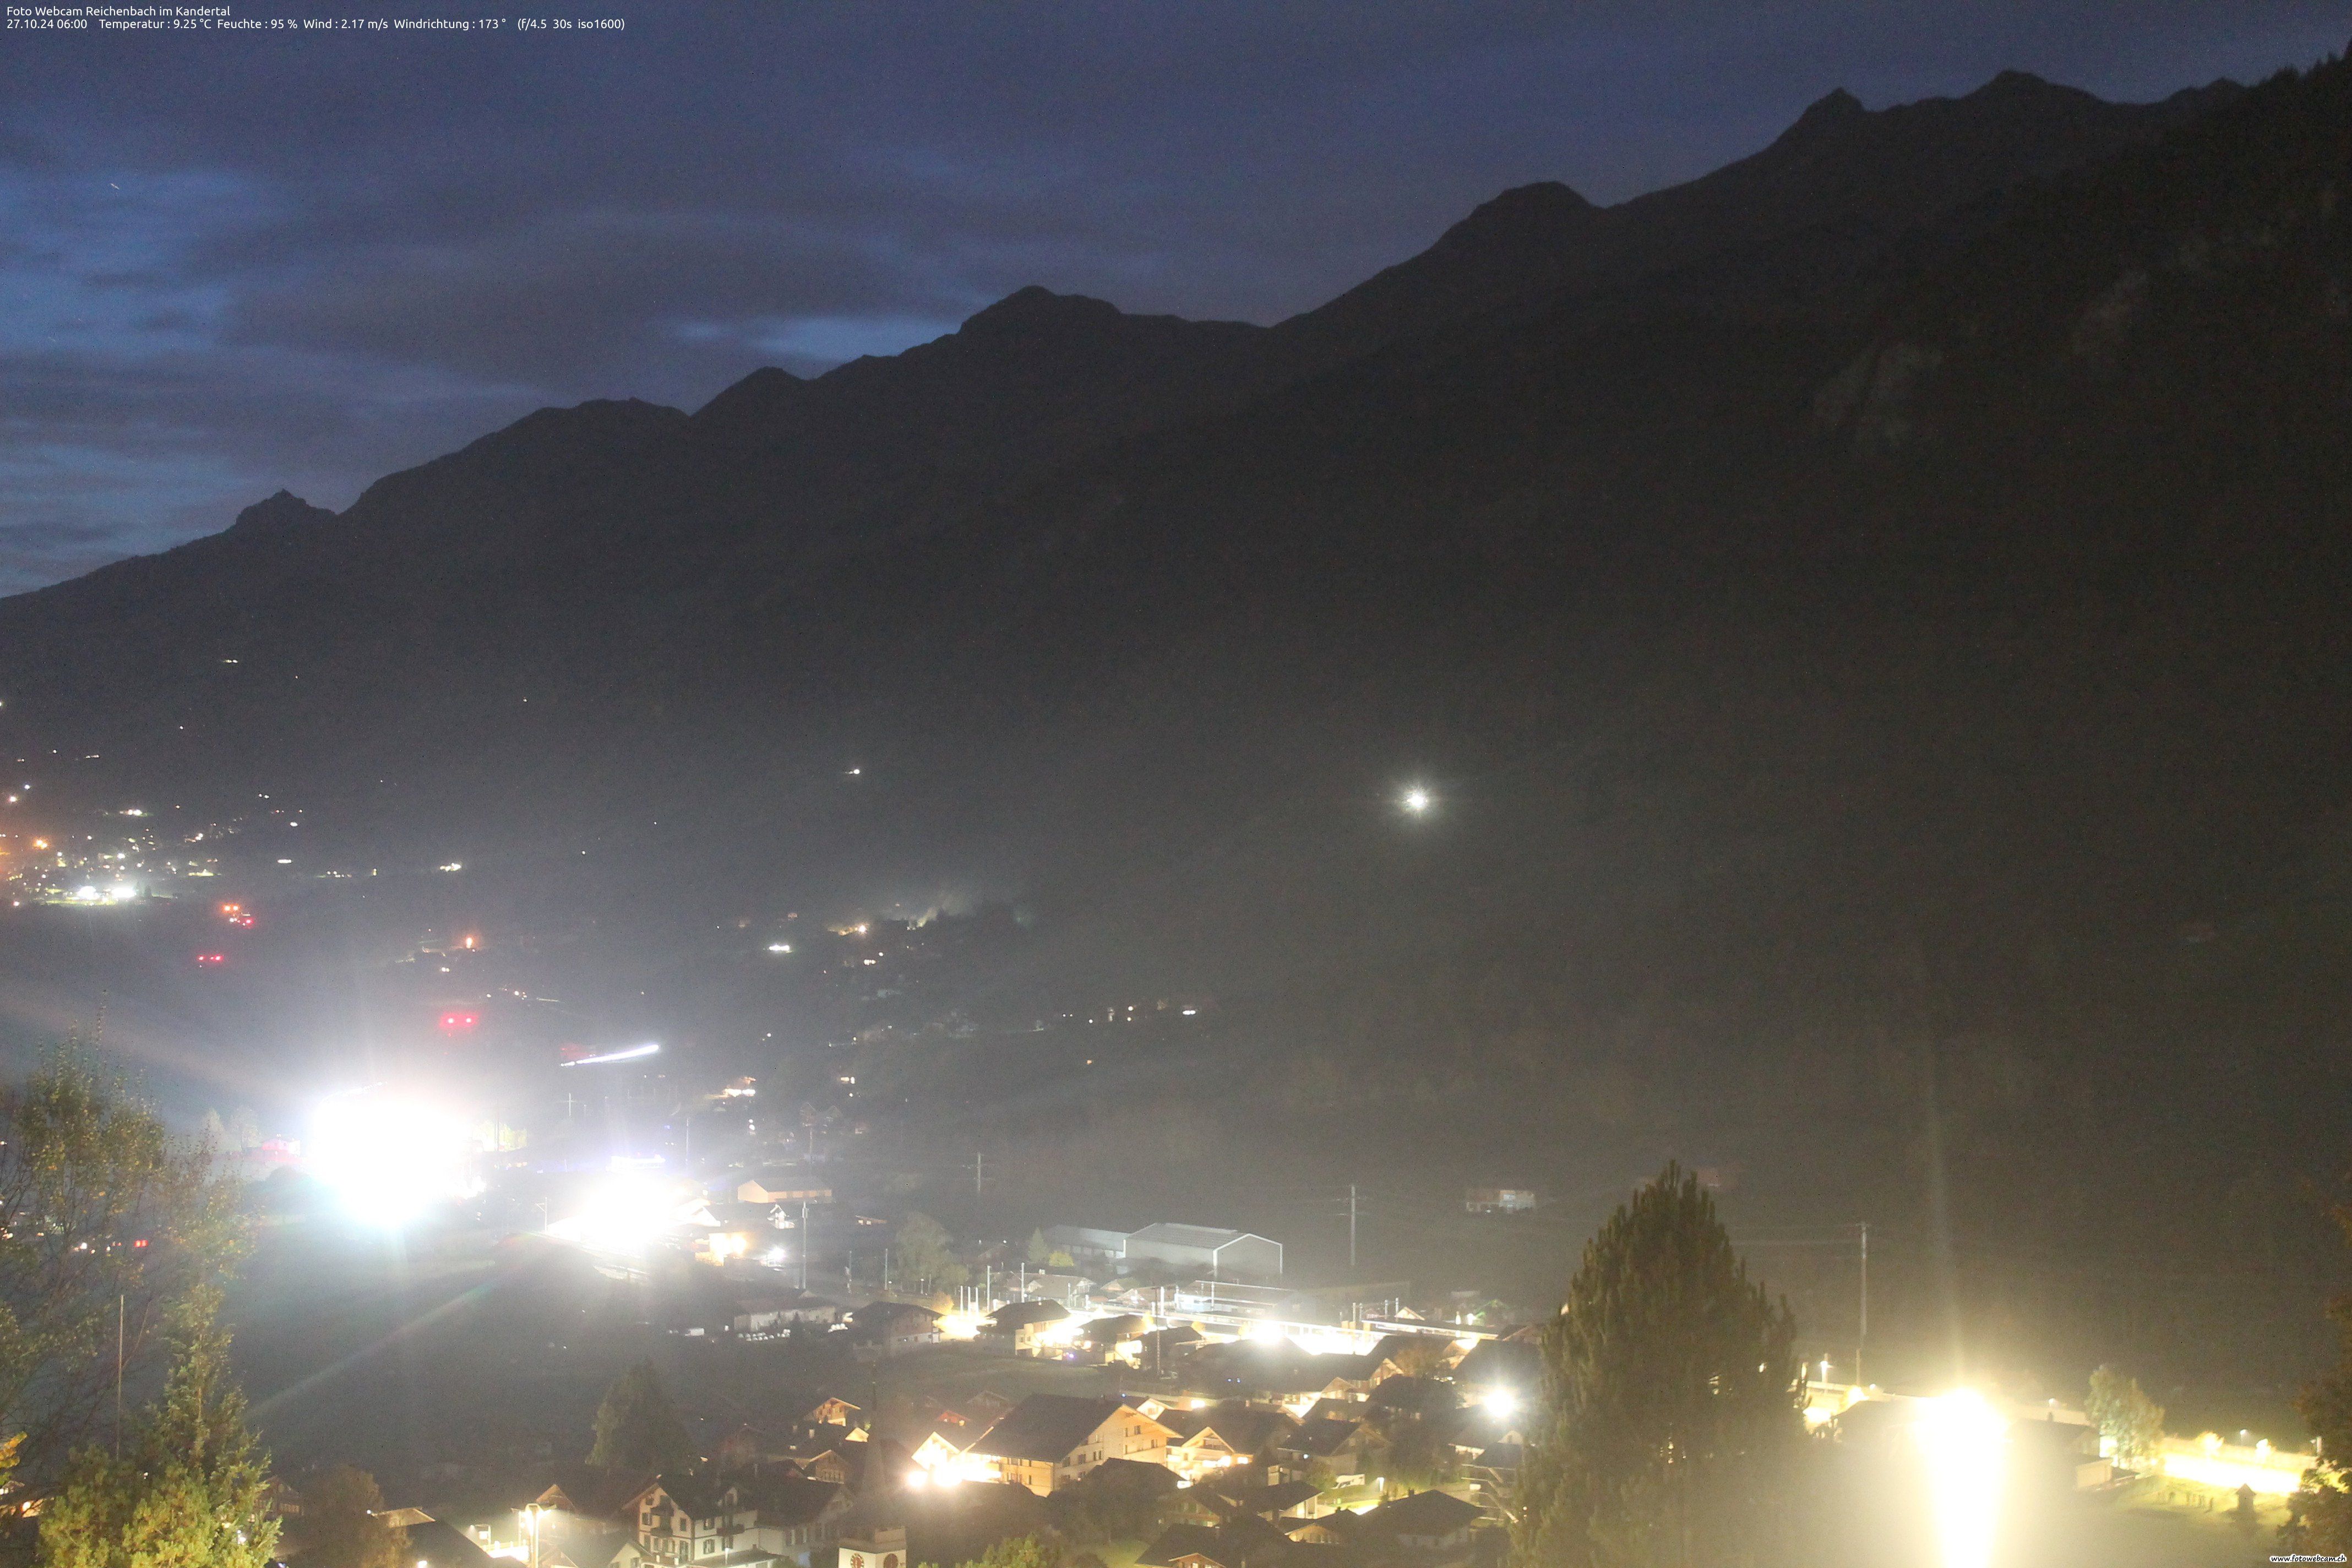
x=1052 y=1439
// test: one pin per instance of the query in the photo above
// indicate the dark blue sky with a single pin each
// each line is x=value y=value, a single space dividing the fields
x=232 y=262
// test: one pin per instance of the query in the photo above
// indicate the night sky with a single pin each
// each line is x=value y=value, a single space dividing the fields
x=231 y=262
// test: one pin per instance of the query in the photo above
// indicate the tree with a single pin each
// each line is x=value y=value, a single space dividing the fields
x=637 y=1429
x=1040 y=1252
x=1023 y=1552
x=343 y=1524
x=925 y=1255
x=108 y=1225
x=190 y=1491
x=2131 y=1422
x=2320 y=1515
x=1671 y=1427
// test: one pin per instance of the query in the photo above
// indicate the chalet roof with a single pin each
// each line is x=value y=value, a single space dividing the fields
x=789 y=1500
x=1320 y=1437
x=1267 y=1501
x=887 y=1312
x=1422 y=1513
x=583 y=1490
x=1413 y=1392
x=1112 y=1329
x=1244 y=1430
x=1181 y=1540
x=439 y=1545
x=699 y=1495
x=1239 y=1543
x=1505 y=1364
x=1021 y=1314
x=1046 y=1426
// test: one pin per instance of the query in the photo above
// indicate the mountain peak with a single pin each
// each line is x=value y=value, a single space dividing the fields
x=1536 y=213
x=280 y=513
x=1837 y=107
x=1037 y=309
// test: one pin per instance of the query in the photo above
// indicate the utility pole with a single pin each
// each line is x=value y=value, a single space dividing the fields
x=121 y=1311
x=804 y=1244
x=979 y=1173
x=1351 y=1227
x=1863 y=1338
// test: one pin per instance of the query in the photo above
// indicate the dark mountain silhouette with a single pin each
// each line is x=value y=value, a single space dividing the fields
x=1873 y=614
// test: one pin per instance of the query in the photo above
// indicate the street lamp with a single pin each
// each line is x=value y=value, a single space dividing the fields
x=1417 y=801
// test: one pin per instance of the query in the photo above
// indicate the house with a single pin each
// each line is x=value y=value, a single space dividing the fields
x=942 y=1445
x=1426 y=1522
x=1277 y=1503
x=1164 y=1349
x=1024 y=1328
x=1496 y=1471
x=2057 y=1455
x=773 y=1311
x=1338 y=1443
x=1497 y=1370
x=434 y=1545
x=690 y=1519
x=1216 y=1439
x=1051 y=1439
x=834 y=1411
x=1244 y=1543
x=1284 y=1373
x=826 y=1454
x=795 y=1518
x=582 y=1513
x=1118 y=1337
x=783 y=1185
x=881 y=1329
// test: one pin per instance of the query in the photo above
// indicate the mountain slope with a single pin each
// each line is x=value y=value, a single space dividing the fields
x=1873 y=626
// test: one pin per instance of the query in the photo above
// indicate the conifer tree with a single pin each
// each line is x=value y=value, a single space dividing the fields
x=343 y=1524
x=190 y=1491
x=636 y=1427
x=1672 y=1429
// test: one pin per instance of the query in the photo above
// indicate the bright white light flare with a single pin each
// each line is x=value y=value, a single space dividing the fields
x=632 y=1053
x=390 y=1157
x=626 y=1214
x=1418 y=801
x=1966 y=1444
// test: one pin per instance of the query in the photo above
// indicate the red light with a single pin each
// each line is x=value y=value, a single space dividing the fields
x=243 y=921
x=453 y=1021
x=138 y=1244
x=212 y=958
